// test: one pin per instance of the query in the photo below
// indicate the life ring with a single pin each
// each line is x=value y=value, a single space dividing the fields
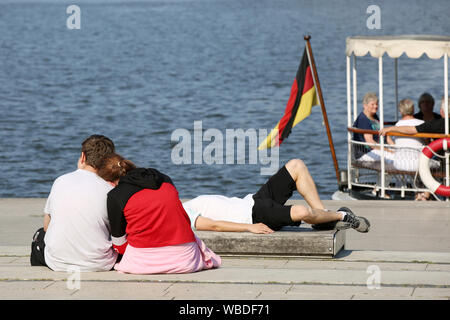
x=424 y=168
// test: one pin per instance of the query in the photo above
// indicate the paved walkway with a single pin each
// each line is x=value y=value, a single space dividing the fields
x=353 y=275
x=406 y=255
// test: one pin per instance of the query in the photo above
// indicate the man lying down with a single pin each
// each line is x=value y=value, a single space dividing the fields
x=266 y=212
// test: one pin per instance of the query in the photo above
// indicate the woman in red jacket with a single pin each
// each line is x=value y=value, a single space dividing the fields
x=149 y=225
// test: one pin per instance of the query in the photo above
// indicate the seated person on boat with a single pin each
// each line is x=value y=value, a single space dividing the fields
x=406 y=156
x=407 y=151
x=426 y=104
x=432 y=126
x=368 y=120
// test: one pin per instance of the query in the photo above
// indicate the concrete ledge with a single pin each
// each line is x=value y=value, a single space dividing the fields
x=294 y=242
x=442 y=258
x=289 y=241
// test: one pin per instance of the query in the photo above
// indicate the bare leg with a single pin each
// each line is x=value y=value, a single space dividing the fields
x=304 y=182
x=313 y=216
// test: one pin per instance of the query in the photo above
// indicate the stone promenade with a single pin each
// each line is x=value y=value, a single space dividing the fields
x=406 y=255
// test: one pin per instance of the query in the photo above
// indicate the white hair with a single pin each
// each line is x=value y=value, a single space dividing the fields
x=370 y=96
x=406 y=107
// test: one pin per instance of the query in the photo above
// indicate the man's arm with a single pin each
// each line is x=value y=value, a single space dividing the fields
x=206 y=224
x=46 y=221
x=399 y=129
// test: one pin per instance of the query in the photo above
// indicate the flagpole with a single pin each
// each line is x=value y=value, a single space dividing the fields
x=322 y=105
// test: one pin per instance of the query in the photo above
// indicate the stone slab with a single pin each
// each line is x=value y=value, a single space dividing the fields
x=289 y=241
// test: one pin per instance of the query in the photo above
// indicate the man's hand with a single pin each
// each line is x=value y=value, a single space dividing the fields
x=259 y=228
x=384 y=131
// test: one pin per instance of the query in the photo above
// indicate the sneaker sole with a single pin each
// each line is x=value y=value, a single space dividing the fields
x=341 y=225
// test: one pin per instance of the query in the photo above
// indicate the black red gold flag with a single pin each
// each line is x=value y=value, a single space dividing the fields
x=303 y=97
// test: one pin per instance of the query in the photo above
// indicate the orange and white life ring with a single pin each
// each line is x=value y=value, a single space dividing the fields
x=424 y=168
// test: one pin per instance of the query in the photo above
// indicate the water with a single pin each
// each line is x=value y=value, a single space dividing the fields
x=136 y=71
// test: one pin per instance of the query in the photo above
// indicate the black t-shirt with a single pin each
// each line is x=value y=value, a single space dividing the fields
x=432 y=126
x=419 y=115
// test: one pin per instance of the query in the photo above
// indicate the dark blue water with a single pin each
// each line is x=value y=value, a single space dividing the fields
x=138 y=70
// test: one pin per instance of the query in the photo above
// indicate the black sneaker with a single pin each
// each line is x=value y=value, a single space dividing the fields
x=360 y=224
x=347 y=210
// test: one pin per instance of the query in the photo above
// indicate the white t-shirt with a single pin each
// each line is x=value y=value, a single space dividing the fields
x=407 y=157
x=405 y=141
x=79 y=234
x=218 y=207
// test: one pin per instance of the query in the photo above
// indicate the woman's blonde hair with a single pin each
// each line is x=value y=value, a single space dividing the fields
x=406 y=107
x=370 y=96
x=113 y=166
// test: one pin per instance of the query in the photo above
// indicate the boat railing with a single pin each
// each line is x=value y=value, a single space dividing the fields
x=417 y=135
x=383 y=167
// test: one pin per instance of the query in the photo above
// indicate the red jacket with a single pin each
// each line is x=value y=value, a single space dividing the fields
x=145 y=211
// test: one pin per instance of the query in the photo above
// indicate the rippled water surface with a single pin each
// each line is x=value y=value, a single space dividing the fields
x=138 y=70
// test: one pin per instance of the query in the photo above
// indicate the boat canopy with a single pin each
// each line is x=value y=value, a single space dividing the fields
x=413 y=45
x=434 y=46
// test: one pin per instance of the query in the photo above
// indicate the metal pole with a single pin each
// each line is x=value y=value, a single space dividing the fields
x=380 y=92
x=322 y=105
x=396 y=88
x=349 y=124
x=355 y=96
x=446 y=90
x=447 y=164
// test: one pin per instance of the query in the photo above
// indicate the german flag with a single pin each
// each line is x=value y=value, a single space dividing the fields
x=303 y=97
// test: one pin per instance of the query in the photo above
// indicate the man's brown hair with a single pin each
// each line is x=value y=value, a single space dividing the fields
x=95 y=148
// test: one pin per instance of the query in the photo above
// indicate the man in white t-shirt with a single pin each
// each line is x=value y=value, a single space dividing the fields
x=406 y=156
x=266 y=211
x=76 y=231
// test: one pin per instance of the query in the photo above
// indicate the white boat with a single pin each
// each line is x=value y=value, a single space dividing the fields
x=380 y=179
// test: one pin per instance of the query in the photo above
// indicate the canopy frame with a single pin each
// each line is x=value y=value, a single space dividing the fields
x=414 y=46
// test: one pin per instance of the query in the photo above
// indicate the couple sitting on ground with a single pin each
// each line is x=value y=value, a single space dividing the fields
x=110 y=214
